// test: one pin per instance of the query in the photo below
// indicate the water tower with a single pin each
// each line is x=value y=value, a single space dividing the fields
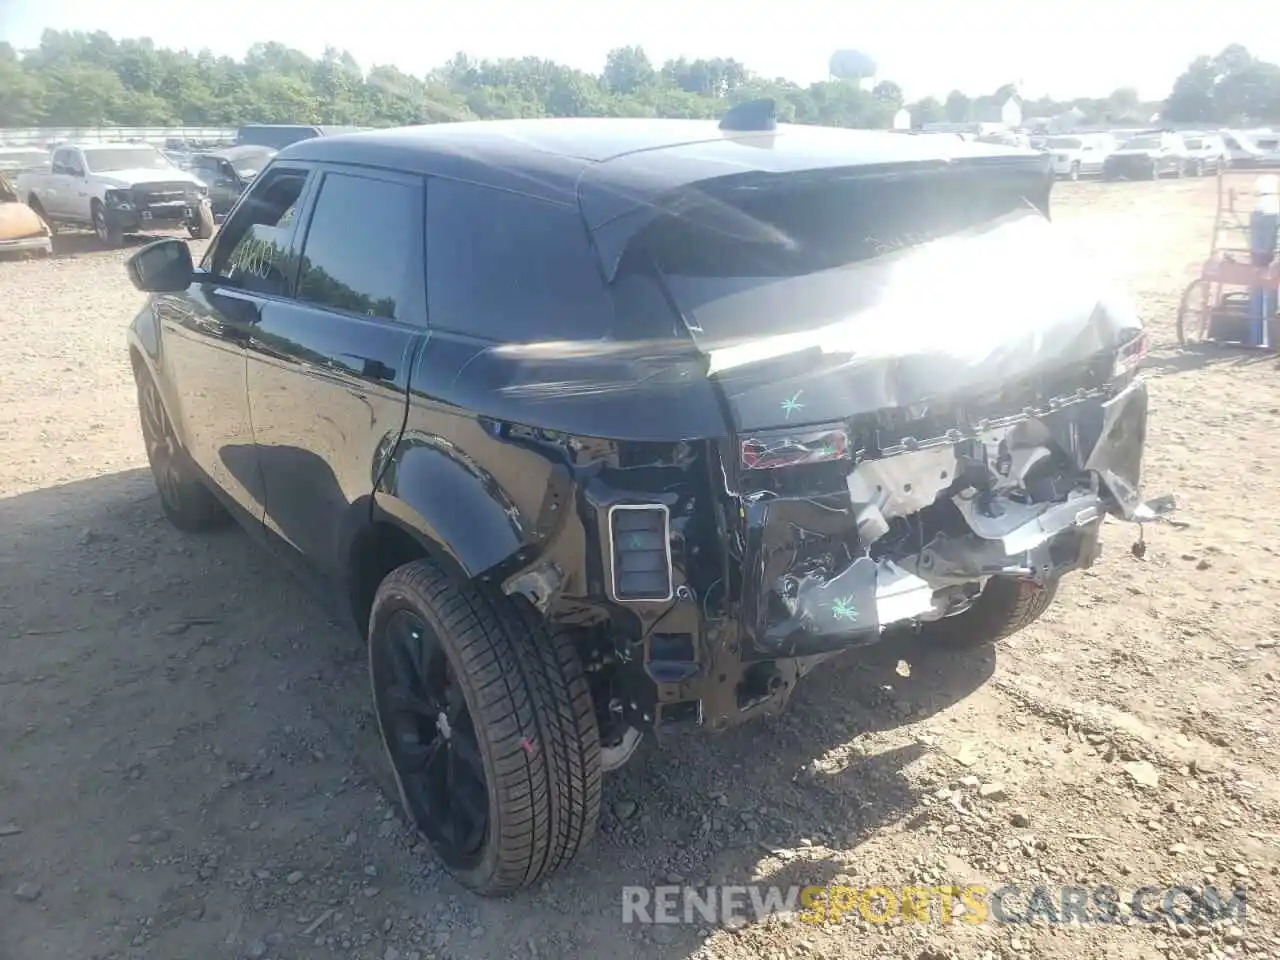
x=853 y=66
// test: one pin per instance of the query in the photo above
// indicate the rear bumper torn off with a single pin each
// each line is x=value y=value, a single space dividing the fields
x=918 y=533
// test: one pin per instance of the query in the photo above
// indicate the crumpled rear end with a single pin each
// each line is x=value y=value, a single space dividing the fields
x=912 y=534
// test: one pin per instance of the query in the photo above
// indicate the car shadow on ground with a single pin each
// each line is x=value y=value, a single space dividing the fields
x=1197 y=356
x=708 y=809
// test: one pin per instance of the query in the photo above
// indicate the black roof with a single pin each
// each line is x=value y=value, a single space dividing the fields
x=562 y=159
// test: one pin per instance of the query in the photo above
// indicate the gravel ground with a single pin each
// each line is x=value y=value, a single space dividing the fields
x=190 y=766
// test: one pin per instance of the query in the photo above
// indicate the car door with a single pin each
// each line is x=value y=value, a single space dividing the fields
x=329 y=368
x=205 y=334
x=59 y=182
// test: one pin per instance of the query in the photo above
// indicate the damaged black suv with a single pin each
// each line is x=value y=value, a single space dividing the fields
x=599 y=427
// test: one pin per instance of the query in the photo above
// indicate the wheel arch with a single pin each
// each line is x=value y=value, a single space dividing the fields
x=427 y=503
x=431 y=487
x=373 y=544
x=144 y=358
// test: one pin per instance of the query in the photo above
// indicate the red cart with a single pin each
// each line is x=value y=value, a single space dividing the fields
x=1215 y=305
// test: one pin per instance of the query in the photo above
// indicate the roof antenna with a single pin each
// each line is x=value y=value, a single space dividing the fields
x=752 y=115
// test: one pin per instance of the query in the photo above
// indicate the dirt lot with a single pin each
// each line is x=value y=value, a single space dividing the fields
x=190 y=769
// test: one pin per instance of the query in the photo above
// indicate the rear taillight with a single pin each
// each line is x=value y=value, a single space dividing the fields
x=1130 y=354
x=770 y=451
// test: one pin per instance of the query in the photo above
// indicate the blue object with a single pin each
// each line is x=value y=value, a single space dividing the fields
x=1264 y=228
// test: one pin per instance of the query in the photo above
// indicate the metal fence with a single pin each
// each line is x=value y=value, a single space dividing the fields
x=43 y=136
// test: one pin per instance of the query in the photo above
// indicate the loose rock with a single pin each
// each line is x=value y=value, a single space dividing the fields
x=624 y=809
x=1142 y=773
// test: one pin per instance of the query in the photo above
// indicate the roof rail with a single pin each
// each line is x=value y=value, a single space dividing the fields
x=752 y=115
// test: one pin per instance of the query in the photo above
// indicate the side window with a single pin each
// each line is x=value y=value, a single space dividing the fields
x=65 y=161
x=507 y=267
x=253 y=247
x=361 y=246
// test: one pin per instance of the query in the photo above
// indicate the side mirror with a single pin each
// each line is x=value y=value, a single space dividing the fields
x=163 y=266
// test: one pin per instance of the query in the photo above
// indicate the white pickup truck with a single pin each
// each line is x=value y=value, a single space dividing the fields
x=116 y=189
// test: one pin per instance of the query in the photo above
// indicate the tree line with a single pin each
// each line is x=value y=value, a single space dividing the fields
x=78 y=79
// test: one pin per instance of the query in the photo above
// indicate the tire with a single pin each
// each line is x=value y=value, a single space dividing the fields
x=1004 y=607
x=1189 y=332
x=186 y=501
x=478 y=700
x=108 y=233
x=201 y=227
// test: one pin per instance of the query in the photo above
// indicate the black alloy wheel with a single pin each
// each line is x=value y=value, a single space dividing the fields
x=162 y=445
x=186 y=501
x=489 y=725
x=431 y=738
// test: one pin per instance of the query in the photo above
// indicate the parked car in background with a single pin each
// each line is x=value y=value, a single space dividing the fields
x=518 y=400
x=22 y=230
x=228 y=172
x=1005 y=139
x=1250 y=149
x=1206 y=153
x=1078 y=156
x=280 y=135
x=116 y=189
x=1147 y=156
x=15 y=160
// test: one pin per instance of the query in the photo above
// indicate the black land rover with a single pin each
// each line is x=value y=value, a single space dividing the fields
x=599 y=427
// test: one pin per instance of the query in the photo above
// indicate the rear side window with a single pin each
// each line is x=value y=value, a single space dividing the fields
x=360 y=246
x=511 y=268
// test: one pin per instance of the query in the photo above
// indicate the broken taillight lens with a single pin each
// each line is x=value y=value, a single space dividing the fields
x=1130 y=355
x=768 y=452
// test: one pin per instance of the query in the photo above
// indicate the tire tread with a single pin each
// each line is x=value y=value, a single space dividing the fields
x=533 y=711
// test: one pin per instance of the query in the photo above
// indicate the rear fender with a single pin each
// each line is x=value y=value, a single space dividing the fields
x=436 y=492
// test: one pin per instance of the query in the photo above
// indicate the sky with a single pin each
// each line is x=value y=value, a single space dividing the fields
x=1068 y=49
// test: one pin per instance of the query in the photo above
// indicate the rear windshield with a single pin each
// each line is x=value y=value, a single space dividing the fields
x=725 y=264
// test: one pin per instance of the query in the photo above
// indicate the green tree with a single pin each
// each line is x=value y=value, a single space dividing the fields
x=958 y=107
x=90 y=79
x=627 y=70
